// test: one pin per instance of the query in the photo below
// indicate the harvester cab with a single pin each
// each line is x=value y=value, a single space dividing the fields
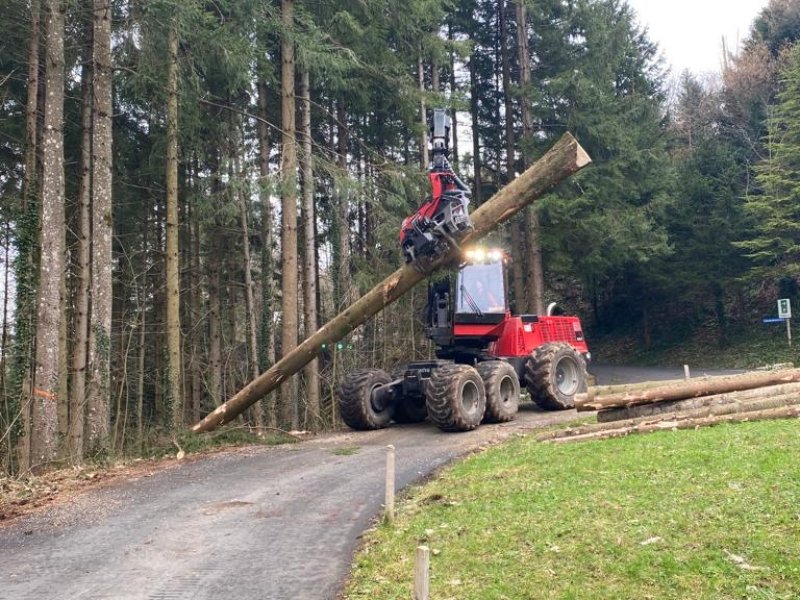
x=443 y=219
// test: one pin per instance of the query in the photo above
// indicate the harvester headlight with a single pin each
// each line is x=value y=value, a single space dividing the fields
x=495 y=255
x=480 y=255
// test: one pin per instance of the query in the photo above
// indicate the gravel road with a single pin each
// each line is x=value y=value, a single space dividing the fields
x=266 y=523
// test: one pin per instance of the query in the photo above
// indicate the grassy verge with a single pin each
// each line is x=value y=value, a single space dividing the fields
x=712 y=513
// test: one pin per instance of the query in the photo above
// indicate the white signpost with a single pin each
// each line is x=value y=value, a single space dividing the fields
x=785 y=313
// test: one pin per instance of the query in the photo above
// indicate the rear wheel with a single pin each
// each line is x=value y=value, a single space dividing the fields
x=456 y=398
x=356 y=401
x=555 y=372
x=502 y=390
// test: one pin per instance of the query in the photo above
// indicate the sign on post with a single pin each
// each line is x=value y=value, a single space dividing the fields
x=785 y=312
x=784 y=308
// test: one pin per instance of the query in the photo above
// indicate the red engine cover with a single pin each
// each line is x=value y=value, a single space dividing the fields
x=514 y=337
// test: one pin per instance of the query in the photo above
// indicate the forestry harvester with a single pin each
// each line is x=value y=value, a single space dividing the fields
x=484 y=353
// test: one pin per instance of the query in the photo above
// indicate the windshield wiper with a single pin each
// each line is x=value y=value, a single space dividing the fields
x=471 y=301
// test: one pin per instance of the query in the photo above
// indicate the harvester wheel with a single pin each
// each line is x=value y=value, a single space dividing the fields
x=356 y=401
x=408 y=409
x=456 y=398
x=502 y=390
x=555 y=372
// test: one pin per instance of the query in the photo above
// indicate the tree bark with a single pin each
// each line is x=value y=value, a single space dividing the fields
x=517 y=246
x=44 y=418
x=289 y=266
x=728 y=407
x=80 y=347
x=423 y=114
x=597 y=391
x=692 y=388
x=252 y=329
x=534 y=255
x=99 y=386
x=267 y=265
x=650 y=410
x=311 y=371
x=783 y=412
x=172 y=255
x=343 y=213
x=564 y=159
x=477 y=185
x=25 y=272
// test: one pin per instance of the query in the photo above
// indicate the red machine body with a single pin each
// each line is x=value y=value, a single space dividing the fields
x=519 y=336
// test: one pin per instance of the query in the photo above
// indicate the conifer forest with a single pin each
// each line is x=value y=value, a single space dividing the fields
x=190 y=188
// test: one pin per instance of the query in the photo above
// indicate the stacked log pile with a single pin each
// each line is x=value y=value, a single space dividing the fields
x=685 y=404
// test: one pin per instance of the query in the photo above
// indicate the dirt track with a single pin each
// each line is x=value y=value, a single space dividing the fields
x=266 y=523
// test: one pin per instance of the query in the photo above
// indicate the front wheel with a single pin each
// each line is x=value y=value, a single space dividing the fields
x=456 y=398
x=554 y=373
x=356 y=400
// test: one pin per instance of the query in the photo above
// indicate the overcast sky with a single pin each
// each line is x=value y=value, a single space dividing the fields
x=689 y=32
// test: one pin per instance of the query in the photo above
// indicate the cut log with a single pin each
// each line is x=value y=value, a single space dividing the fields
x=657 y=408
x=561 y=161
x=692 y=388
x=596 y=391
x=784 y=412
x=734 y=407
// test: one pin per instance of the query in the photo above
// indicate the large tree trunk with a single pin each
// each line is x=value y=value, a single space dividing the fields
x=453 y=91
x=311 y=371
x=423 y=118
x=99 y=389
x=782 y=412
x=249 y=297
x=44 y=442
x=343 y=213
x=80 y=346
x=25 y=271
x=267 y=288
x=518 y=249
x=564 y=159
x=534 y=255
x=692 y=388
x=477 y=185
x=289 y=400
x=172 y=256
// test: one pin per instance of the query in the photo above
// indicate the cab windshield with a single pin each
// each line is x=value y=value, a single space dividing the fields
x=481 y=289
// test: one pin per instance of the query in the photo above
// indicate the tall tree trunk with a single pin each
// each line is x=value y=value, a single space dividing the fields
x=44 y=442
x=534 y=257
x=99 y=389
x=343 y=212
x=196 y=309
x=289 y=400
x=80 y=347
x=453 y=90
x=477 y=191
x=267 y=266
x=172 y=255
x=257 y=412
x=26 y=240
x=517 y=249
x=423 y=114
x=311 y=371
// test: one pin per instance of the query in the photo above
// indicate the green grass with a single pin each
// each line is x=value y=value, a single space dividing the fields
x=346 y=450
x=711 y=513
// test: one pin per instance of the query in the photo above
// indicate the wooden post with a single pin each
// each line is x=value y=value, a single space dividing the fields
x=562 y=160
x=789 y=331
x=422 y=567
x=390 y=470
x=686 y=373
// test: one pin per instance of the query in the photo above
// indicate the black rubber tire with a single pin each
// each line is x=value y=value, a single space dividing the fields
x=408 y=409
x=502 y=391
x=456 y=398
x=355 y=404
x=554 y=373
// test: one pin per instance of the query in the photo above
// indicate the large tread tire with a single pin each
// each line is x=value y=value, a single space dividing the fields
x=502 y=391
x=456 y=398
x=408 y=409
x=355 y=403
x=554 y=373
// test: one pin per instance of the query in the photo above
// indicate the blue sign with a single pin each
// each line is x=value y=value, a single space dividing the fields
x=769 y=320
